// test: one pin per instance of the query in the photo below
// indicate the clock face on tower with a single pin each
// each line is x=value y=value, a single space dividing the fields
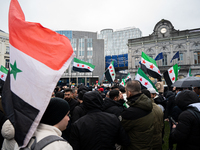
x=163 y=30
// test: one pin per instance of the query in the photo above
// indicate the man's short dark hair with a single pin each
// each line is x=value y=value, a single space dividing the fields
x=133 y=86
x=122 y=89
x=68 y=90
x=115 y=87
x=60 y=95
x=113 y=94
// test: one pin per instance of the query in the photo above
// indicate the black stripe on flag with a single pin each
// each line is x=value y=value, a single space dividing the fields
x=150 y=72
x=167 y=78
x=19 y=112
x=80 y=69
x=108 y=76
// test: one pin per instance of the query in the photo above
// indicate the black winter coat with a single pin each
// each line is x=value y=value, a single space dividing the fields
x=97 y=130
x=113 y=107
x=187 y=132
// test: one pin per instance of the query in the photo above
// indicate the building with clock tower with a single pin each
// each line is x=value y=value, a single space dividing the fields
x=168 y=40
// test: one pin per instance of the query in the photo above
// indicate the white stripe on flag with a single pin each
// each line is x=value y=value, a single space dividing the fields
x=143 y=81
x=34 y=78
x=82 y=66
x=150 y=65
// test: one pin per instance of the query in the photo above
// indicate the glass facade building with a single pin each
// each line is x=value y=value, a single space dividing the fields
x=115 y=42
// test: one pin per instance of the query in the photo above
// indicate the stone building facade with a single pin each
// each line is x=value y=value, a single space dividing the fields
x=4 y=49
x=165 y=38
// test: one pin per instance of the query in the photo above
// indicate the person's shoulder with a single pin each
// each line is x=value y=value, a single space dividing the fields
x=58 y=145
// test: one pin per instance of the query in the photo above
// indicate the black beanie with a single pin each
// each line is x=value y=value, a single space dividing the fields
x=55 y=112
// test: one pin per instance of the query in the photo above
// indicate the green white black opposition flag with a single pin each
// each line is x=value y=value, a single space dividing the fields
x=3 y=73
x=110 y=72
x=149 y=66
x=144 y=80
x=82 y=66
x=171 y=75
x=128 y=77
x=123 y=82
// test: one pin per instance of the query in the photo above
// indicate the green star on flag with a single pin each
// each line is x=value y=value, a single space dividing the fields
x=14 y=70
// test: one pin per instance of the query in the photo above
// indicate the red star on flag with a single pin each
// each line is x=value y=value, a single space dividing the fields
x=110 y=67
x=2 y=76
x=127 y=77
x=77 y=65
x=88 y=67
x=113 y=74
x=82 y=65
x=173 y=78
x=143 y=61
x=122 y=83
x=170 y=71
x=111 y=70
x=151 y=66
x=140 y=79
x=146 y=83
x=158 y=71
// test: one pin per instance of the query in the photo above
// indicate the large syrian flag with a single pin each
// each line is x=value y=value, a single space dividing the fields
x=38 y=58
x=128 y=77
x=81 y=66
x=144 y=80
x=148 y=65
x=110 y=72
x=171 y=75
x=3 y=73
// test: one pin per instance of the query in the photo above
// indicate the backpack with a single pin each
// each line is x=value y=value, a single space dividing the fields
x=42 y=143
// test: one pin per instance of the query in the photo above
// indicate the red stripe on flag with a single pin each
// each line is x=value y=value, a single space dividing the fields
x=40 y=43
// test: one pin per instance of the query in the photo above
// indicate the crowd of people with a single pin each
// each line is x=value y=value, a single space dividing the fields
x=114 y=118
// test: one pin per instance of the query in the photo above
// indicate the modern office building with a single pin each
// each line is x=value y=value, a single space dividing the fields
x=89 y=49
x=4 y=49
x=165 y=38
x=115 y=42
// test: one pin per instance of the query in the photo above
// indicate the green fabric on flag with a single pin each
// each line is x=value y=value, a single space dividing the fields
x=83 y=62
x=4 y=70
x=149 y=59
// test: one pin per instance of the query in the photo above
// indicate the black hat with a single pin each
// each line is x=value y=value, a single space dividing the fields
x=55 y=112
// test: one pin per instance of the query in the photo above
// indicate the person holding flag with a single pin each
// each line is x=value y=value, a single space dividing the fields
x=38 y=58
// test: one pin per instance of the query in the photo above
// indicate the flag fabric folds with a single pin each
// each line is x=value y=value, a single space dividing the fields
x=110 y=72
x=123 y=83
x=38 y=58
x=159 y=56
x=171 y=75
x=189 y=73
x=144 y=80
x=81 y=66
x=3 y=73
x=148 y=65
x=175 y=56
x=128 y=77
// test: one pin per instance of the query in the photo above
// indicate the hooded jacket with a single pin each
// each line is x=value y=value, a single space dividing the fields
x=187 y=132
x=113 y=107
x=96 y=130
x=138 y=121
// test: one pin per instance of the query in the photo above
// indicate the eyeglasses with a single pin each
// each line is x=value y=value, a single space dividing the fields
x=67 y=94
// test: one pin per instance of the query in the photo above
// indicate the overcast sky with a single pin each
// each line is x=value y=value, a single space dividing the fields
x=95 y=15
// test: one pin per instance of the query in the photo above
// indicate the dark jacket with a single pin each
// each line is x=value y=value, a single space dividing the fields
x=138 y=121
x=113 y=107
x=187 y=132
x=97 y=130
x=79 y=111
